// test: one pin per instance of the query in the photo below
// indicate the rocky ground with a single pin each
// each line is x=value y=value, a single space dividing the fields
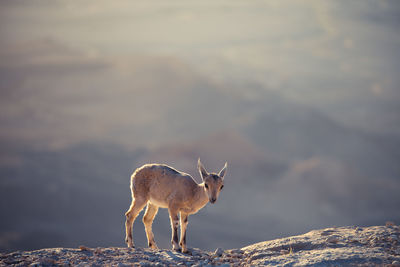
x=348 y=246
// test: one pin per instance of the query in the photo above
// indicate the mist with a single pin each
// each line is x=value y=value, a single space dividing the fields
x=300 y=98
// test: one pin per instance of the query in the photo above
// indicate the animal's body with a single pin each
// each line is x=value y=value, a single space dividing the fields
x=161 y=186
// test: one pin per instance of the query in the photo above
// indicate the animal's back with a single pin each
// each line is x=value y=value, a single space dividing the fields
x=160 y=182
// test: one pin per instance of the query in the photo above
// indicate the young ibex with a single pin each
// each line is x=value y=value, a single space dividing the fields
x=159 y=185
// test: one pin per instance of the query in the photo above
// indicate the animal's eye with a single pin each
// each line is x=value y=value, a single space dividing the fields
x=222 y=186
x=206 y=185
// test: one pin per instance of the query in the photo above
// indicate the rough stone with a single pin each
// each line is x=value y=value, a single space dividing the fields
x=375 y=245
x=219 y=252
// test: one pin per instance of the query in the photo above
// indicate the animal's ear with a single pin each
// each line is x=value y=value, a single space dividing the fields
x=223 y=171
x=202 y=170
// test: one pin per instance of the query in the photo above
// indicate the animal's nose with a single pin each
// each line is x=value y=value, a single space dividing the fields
x=212 y=200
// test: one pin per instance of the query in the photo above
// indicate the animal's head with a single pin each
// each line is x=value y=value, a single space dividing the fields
x=213 y=183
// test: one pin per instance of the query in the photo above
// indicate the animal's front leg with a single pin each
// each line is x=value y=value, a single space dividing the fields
x=173 y=216
x=184 y=223
x=148 y=218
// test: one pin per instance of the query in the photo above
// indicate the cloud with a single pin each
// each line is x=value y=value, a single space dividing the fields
x=58 y=95
x=36 y=88
x=46 y=55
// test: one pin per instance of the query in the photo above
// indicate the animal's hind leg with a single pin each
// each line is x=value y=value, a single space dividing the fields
x=184 y=223
x=151 y=212
x=173 y=216
x=134 y=210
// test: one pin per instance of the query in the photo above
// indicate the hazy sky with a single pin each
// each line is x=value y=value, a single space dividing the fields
x=300 y=97
x=65 y=62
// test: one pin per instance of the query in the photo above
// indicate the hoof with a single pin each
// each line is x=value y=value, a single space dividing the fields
x=177 y=249
x=183 y=248
x=153 y=246
x=130 y=244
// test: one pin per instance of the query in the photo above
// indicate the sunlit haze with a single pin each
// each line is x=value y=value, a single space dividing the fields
x=301 y=98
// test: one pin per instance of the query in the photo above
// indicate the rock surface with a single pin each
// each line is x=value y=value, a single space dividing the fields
x=354 y=246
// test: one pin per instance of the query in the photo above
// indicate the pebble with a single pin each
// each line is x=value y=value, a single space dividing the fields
x=332 y=239
x=219 y=252
x=236 y=251
x=390 y=224
x=283 y=252
x=195 y=253
x=84 y=248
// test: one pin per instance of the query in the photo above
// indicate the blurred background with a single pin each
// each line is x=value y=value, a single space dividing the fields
x=301 y=98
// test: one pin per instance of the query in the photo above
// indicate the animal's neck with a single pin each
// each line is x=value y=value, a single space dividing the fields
x=201 y=196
